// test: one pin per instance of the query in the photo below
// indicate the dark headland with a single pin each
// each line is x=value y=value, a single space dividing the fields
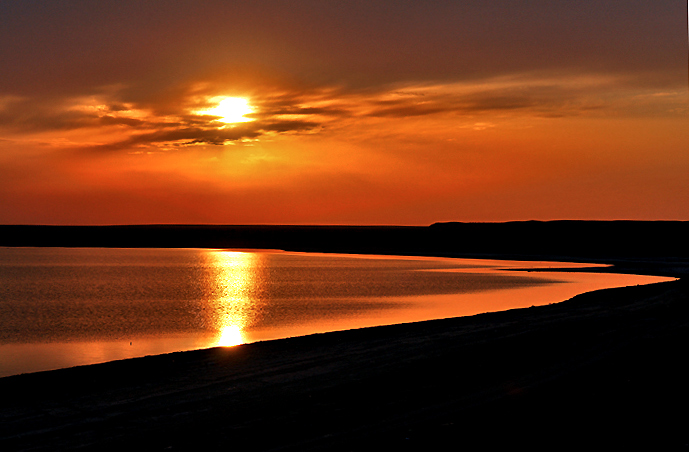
x=604 y=370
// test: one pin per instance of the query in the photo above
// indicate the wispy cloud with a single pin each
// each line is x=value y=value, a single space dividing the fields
x=119 y=121
x=189 y=136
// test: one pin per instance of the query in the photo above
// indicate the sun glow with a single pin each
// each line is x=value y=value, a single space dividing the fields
x=230 y=110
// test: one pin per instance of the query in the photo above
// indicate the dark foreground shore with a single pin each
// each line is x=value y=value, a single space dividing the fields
x=604 y=370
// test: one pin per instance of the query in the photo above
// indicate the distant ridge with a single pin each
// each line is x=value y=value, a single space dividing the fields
x=575 y=239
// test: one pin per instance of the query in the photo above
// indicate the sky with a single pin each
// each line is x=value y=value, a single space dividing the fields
x=350 y=112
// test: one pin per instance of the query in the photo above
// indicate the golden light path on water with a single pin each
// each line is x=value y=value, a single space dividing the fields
x=234 y=278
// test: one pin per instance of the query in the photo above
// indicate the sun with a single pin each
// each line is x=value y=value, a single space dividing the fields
x=230 y=110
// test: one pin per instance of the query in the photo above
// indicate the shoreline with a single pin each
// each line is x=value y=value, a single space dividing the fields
x=55 y=355
x=607 y=362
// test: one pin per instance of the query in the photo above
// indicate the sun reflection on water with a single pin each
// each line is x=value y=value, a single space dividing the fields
x=230 y=335
x=232 y=304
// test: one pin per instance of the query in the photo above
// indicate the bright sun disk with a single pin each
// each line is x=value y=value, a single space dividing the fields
x=230 y=110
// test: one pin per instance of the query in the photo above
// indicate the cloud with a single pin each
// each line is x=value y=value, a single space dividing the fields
x=130 y=122
x=34 y=115
x=113 y=120
x=526 y=95
x=118 y=119
x=189 y=136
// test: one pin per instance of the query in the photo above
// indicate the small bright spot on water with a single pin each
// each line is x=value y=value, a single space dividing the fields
x=230 y=336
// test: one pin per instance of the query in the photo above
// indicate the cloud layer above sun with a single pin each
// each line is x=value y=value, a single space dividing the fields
x=356 y=112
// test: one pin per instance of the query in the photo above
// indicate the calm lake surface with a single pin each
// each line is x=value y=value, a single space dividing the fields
x=61 y=307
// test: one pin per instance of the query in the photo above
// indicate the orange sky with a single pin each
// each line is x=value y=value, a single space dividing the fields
x=376 y=112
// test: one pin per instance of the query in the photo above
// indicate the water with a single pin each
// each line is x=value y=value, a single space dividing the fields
x=61 y=307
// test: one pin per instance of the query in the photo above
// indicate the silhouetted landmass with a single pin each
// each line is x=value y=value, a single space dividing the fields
x=604 y=370
x=579 y=239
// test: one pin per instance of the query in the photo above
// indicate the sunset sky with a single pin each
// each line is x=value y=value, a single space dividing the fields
x=347 y=112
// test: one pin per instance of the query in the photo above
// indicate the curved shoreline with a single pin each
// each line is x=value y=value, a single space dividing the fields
x=42 y=352
x=603 y=368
